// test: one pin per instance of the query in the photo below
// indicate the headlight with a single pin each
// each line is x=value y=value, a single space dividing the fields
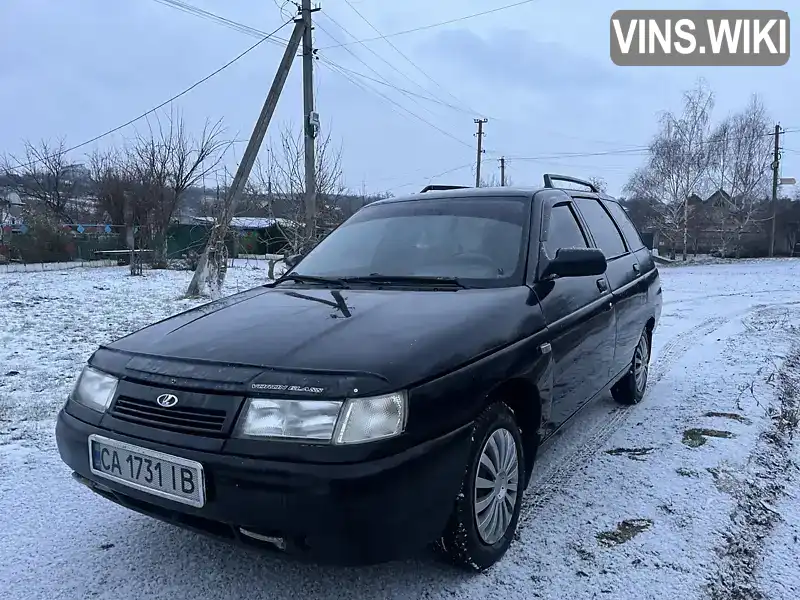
x=304 y=419
x=355 y=421
x=368 y=419
x=94 y=389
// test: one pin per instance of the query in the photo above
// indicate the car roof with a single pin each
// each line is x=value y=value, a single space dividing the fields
x=494 y=192
x=462 y=193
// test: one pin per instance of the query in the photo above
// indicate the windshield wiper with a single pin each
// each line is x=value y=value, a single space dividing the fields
x=425 y=280
x=299 y=278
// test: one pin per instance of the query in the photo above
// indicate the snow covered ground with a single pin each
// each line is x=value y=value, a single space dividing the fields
x=695 y=493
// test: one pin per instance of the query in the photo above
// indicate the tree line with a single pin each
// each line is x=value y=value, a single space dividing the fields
x=143 y=184
x=707 y=183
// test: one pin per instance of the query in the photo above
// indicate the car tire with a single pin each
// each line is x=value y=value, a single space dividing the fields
x=631 y=388
x=470 y=540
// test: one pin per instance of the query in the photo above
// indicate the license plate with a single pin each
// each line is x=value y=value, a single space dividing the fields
x=160 y=474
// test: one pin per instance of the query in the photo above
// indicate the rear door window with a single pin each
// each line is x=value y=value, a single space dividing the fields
x=626 y=226
x=602 y=227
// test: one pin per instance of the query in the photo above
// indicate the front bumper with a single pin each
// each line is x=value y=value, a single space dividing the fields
x=358 y=513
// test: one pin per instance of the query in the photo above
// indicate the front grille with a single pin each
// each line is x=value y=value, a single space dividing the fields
x=187 y=419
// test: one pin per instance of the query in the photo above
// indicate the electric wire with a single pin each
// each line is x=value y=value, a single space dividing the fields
x=433 y=25
x=157 y=107
x=409 y=61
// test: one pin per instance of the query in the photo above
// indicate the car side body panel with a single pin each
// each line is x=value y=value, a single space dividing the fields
x=629 y=293
x=459 y=397
x=581 y=323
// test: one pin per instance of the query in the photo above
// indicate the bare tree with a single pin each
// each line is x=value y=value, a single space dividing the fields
x=148 y=163
x=111 y=183
x=280 y=185
x=599 y=183
x=679 y=162
x=164 y=163
x=114 y=190
x=193 y=159
x=209 y=274
x=281 y=182
x=665 y=218
x=45 y=175
x=494 y=181
x=742 y=153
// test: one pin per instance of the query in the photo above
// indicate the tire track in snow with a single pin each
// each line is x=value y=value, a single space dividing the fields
x=552 y=481
x=680 y=344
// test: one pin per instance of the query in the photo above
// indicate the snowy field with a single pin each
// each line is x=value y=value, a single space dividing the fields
x=695 y=493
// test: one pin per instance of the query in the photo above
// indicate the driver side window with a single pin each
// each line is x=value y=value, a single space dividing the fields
x=564 y=230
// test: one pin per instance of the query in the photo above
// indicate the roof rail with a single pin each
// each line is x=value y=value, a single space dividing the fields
x=431 y=188
x=550 y=177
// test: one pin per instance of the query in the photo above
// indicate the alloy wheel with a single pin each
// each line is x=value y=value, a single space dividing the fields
x=641 y=364
x=496 y=484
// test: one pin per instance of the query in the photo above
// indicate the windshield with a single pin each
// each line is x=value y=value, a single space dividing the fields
x=479 y=240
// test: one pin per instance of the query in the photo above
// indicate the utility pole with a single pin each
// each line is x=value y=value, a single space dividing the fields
x=220 y=229
x=503 y=171
x=480 y=123
x=776 y=165
x=310 y=123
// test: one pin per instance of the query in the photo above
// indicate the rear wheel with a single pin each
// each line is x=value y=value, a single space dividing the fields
x=486 y=513
x=631 y=388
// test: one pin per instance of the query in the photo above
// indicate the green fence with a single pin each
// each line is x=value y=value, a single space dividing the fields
x=39 y=244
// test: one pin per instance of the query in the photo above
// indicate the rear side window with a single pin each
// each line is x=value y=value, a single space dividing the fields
x=626 y=225
x=564 y=231
x=604 y=231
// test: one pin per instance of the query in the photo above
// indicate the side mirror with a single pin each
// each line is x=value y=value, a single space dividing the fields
x=291 y=261
x=576 y=262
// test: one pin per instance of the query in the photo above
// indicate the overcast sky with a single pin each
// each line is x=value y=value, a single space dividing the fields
x=540 y=73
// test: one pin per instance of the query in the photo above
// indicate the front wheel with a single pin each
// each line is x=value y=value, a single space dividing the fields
x=631 y=388
x=486 y=513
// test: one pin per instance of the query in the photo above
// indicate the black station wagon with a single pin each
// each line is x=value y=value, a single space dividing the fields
x=390 y=391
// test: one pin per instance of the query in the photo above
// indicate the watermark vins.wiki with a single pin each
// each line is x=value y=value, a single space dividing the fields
x=700 y=37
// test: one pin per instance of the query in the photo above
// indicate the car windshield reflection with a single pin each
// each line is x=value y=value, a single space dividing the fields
x=476 y=242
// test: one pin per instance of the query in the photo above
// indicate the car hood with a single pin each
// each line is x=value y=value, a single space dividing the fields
x=392 y=337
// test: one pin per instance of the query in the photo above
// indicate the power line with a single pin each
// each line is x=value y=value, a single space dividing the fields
x=634 y=151
x=411 y=62
x=641 y=151
x=365 y=87
x=433 y=25
x=399 y=89
x=359 y=59
x=387 y=98
x=160 y=106
x=432 y=177
x=254 y=32
x=208 y=15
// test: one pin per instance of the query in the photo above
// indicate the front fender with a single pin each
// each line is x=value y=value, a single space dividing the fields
x=456 y=399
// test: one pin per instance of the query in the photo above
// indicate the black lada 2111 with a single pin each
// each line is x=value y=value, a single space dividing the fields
x=387 y=393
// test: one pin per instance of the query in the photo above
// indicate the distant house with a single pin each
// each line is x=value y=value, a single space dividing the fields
x=713 y=226
x=11 y=206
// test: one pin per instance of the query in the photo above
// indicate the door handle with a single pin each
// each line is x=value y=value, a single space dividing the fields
x=602 y=285
x=636 y=268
